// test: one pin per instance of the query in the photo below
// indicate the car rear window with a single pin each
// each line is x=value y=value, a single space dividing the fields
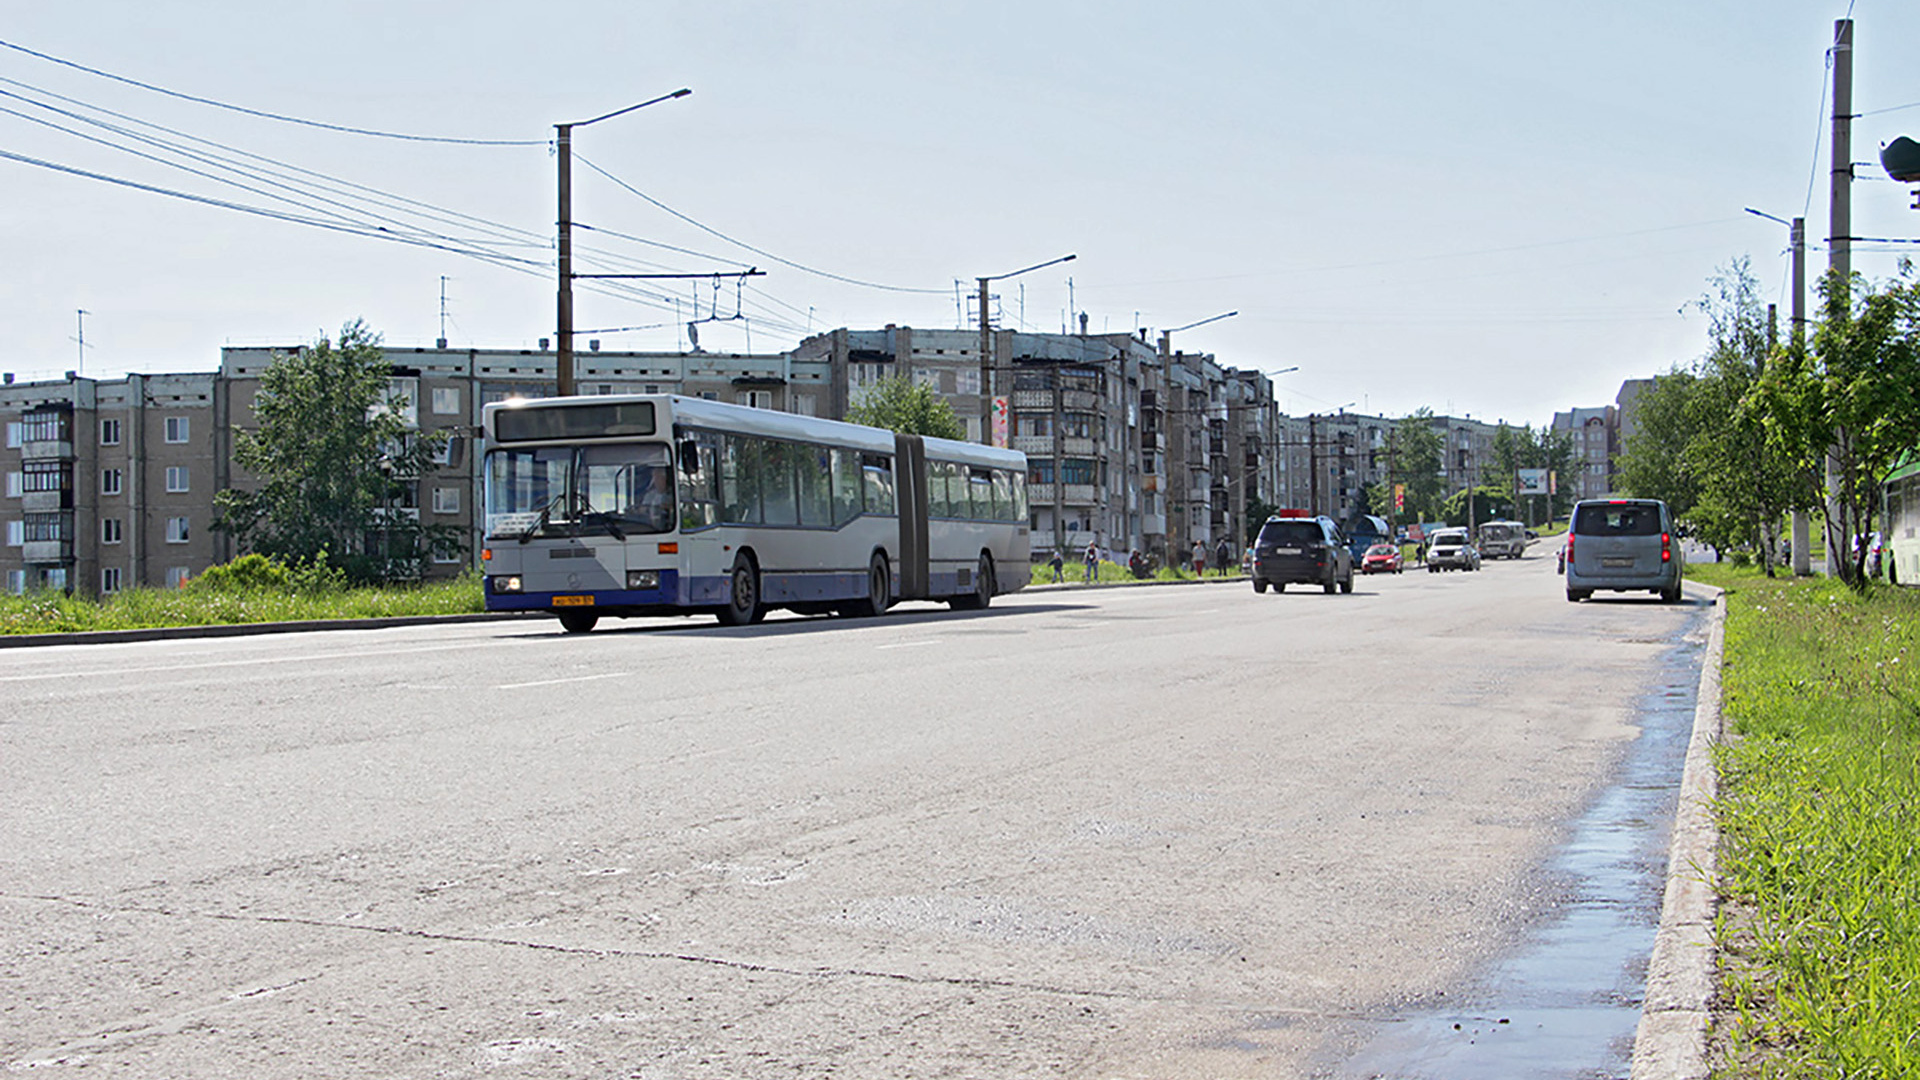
x=1290 y=532
x=1617 y=519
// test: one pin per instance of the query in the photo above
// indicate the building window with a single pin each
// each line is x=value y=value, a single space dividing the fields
x=177 y=478
x=446 y=500
x=16 y=484
x=177 y=429
x=803 y=405
x=16 y=434
x=112 y=530
x=16 y=533
x=16 y=581
x=449 y=558
x=176 y=576
x=757 y=399
x=446 y=401
x=109 y=433
x=110 y=579
x=40 y=528
x=46 y=427
x=177 y=532
x=110 y=481
x=54 y=578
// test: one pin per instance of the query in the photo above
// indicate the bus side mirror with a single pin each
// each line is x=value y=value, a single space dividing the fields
x=689 y=456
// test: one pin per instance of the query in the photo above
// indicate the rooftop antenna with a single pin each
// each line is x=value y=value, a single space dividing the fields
x=80 y=318
x=442 y=343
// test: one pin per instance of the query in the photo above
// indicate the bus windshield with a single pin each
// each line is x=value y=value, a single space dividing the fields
x=619 y=488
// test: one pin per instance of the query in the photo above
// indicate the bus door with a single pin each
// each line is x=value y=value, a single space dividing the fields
x=703 y=565
x=910 y=480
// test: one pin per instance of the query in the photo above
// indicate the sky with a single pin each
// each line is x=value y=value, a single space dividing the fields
x=1490 y=209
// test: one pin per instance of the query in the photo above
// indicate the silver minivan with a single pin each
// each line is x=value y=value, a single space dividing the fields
x=1624 y=545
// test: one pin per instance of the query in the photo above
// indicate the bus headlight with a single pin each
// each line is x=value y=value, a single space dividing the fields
x=507 y=583
x=643 y=579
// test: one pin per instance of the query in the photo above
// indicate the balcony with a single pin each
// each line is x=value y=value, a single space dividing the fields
x=47 y=450
x=1078 y=447
x=1034 y=445
x=1080 y=400
x=46 y=502
x=47 y=551
x=1033 y=400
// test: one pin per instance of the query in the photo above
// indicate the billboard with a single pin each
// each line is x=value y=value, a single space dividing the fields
x=1533 y=481
x=1000 y=422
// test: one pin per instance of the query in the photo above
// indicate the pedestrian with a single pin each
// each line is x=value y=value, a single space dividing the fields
x=1199 y=559
x=1058 y=565
x=1093 y=560
x=1223 y=556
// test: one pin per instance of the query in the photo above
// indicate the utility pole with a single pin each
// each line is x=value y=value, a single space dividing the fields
x=563 y=302
x=986 y=354
x=1839 y=251
x=1797 y=237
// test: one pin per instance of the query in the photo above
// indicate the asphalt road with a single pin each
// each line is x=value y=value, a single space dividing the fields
x=1169 y=831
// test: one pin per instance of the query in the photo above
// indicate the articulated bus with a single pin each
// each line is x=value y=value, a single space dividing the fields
x=1900 y=523
x=657 y=504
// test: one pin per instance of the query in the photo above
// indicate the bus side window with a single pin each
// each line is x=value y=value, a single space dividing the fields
x=846 y=486
x=814 y=465
x=740 y=479
x=939 y=503
x=878 y=469
x=777 y=498
x=697 y=510
x=1019 y=496
x=980 y=494
x=1002 y=495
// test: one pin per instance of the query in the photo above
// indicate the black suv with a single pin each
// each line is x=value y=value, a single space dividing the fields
x=1301 y=550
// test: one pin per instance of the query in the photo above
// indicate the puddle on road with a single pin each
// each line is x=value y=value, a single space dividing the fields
x=1567 y=1004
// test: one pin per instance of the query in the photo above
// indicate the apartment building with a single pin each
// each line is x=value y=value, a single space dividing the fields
x=110 y=483
x=1596 y=441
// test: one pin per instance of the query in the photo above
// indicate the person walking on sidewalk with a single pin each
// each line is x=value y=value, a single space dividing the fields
x=1058 y=564
x=1223 y=556
x=1093 y=561
x=1199 y=559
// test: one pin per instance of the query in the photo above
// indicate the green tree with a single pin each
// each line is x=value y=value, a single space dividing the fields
x=1653 y=463
x=903 y=405
x=1417 y=451
x=331 y=459
x=1868 y=348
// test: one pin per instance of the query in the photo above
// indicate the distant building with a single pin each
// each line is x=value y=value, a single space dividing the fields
x=1595 y=433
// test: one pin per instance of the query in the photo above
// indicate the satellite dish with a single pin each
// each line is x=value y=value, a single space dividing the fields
x=1901 y=159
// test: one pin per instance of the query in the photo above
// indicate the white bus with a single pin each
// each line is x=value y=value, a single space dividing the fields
x=657 y=504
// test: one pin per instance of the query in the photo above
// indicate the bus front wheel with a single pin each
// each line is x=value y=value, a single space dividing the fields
x=743 y=605
x=577 y=622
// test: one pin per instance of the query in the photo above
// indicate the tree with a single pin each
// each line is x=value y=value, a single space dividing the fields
x=1417 y=453
x=332 y=459
x=902 y=405
x=1868 y=347
x=1653 y=463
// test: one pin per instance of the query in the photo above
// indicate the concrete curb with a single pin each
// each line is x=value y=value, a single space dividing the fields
x=170 y=633
x=1671 y=1043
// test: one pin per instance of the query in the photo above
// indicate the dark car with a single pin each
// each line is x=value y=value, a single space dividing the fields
x=1301 y=551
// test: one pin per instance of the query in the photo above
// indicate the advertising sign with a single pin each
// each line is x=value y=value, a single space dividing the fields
x=1533 y=481
x=1399 y=497
x=1000 y=406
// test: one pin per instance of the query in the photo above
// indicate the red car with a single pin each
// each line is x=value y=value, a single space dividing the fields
x=1381 y=559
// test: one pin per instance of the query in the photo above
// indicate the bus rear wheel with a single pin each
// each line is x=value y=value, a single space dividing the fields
x=743 y=605
x=983 y=588
x=577 y=622
x=879 y=589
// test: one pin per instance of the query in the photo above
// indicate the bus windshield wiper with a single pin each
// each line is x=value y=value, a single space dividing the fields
x=541 y=521
x=599 y=517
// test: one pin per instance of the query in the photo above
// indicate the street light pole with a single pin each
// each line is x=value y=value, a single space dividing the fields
x=1802 y=531
x=563 y=302
x=986 y=351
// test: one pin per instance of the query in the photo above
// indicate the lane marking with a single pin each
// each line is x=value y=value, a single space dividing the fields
x=909 y=644
x=307 y=658
x=570 y=679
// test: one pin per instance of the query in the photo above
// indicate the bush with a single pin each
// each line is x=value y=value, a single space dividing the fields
x=262 y=573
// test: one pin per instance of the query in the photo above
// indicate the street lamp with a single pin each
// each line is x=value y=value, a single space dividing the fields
x=1802 y=531
x=563 y=140
x=1166 y=336
x=986 y=345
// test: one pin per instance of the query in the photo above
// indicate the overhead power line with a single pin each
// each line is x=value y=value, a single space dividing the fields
x=264 y=115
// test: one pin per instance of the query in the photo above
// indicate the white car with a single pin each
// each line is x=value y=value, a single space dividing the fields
x=1452 y=549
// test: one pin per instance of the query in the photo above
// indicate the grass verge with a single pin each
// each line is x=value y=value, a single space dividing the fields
x=1820 y=820
x=142 y=609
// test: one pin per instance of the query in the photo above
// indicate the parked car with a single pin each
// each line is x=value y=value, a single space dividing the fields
x=1452 y=550
x=1301 y=551
x=1623 y=545
x=1381 y=559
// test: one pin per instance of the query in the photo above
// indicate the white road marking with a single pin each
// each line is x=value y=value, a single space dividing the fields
x=304 y=658
x=570 y=679
x=909 y=644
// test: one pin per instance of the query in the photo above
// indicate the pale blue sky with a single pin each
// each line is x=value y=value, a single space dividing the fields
x=1495 y=209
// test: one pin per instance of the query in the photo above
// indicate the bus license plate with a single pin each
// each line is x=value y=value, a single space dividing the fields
x=573 y=601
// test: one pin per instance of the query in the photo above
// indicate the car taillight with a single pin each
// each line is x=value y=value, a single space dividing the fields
x=1666 y=547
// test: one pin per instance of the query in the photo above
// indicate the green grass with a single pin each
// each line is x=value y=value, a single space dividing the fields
x=1075 y=573
x=139 y=609
x=1820 y=820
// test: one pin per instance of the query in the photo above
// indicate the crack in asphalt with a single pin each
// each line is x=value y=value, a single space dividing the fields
x=958 y=981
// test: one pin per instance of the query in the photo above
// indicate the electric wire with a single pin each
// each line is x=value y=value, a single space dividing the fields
x=630 y=189
x=280 y=117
